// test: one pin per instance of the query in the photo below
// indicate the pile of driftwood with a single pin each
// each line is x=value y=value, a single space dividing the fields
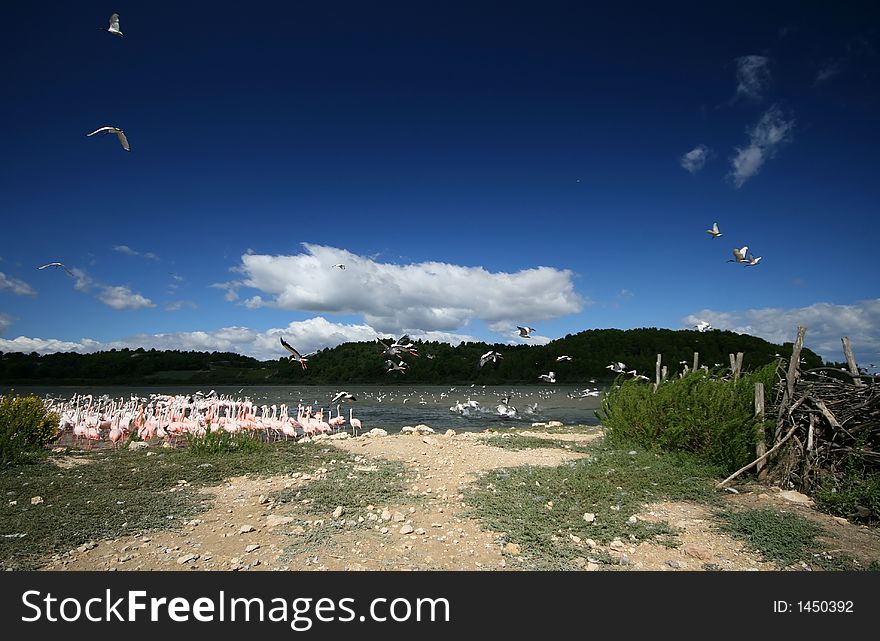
x=825 y=418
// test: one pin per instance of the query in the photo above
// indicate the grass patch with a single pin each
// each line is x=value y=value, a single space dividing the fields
x=558 y=429
x=222 y=442
x=353 y=490
x=123 y=492
x=521 y=442
x=612 y=484
x=785 y=539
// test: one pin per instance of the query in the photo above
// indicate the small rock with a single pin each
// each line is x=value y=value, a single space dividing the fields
x=252 y=547
x=263 y=499
x=676 y=564
x=697 y=552
x=424 y=429
x=386 y=515
x=592 y=567
x=589 y=517
x=376 y=432
x=384 y=530
x=244 y=529
x=840 y=520
x=406 y=529
x=275 y=521
x=632 y=452
x=512 y=548
x=407 y=429
x=339 y=511
x=796 y=497
x=449 y=432
x=554 y=423
x=36 y=500
x=187 y=558
x=137 y=445
x=420 y=531
x=632 y=520
x=398 y=517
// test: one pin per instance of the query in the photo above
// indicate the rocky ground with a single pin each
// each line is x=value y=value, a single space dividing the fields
x=248 y=529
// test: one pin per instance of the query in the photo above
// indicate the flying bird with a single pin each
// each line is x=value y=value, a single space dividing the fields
x=295 y=355
x=490 y=356
x=563 y=358
x=62 y=265
x=525 y=331
x=549 y=377
x=739 y=255
x=703 y=326
x=114 y=130
x=751 y=260
x=714 y=231
x=343 y=396
x=114 y=25
x=339 y=265
x=617 y=367
x=390 y=366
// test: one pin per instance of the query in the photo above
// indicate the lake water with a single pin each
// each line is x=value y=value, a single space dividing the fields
x=389 y=407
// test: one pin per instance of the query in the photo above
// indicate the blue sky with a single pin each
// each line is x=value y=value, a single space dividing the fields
x=475 y=165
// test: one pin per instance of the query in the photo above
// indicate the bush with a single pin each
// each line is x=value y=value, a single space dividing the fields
x=699 y=413
x=852 y=492
x=26 y=425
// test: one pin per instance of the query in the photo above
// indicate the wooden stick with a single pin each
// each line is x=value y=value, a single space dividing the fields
x=761 y=447
x=739 y=365
x=760 y=458
x=851 y=361
x=791 y=376
x=657 y=379
x=696 y=361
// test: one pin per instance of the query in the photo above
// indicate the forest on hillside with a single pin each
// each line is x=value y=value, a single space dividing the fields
x=438 y=363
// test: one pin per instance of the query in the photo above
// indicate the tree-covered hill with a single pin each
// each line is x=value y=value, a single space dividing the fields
x=591 y=351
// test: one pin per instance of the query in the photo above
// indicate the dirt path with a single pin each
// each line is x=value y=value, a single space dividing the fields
x=246 y=530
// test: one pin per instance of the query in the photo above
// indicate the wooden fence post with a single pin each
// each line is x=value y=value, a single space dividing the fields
x=696 y=361
x=732 y=365
x=738 y=364
x=761 y=448
x=851 y=361
x=663 y=373
x=791 y=376
x=657 y=378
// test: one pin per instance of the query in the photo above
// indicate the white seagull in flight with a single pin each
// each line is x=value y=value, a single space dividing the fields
x=563 y=358
x=490 y=356
x=703 y=326
x=113 y=130
x=295 y=355
x=343 y=396
x=525 y=331
x=114 y=25
x=339 y=265
x=714 y=231
x=739 y=255
x=62 y=265
x=618 y=367
x=550 y=377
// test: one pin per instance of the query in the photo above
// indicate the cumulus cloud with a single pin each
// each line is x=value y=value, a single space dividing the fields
x=826 y=323
x=5 y=322
x=694 y=160
x=121 y=297
x=15 y=285
x=752 y=76
x=114 y=296
x=128 y=251
x=306 y=335
x=765 y=138
x=428 y=296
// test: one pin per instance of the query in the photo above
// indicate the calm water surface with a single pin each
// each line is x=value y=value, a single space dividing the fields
x=389 y=407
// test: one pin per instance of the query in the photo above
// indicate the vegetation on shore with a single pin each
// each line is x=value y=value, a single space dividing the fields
x=363 y=362
x=26 y=426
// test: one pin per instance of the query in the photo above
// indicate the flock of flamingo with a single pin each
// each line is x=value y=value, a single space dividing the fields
x=171 y=418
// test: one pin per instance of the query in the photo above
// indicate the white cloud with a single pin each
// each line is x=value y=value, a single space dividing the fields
x=826 y=323
x=231 y=288
x=394 y=298
x=15 y=285
x=752 y=76
x=177 y=305
x=771 y=131
x=128 y=251
x=5 y=322
x=121 y=297
x=307 y=336
x=695 y=159
x=828 y=71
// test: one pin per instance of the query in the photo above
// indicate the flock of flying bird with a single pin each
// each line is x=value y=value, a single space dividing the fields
x=740 y=255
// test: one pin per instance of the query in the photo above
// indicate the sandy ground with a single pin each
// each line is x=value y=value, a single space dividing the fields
x=246 y=530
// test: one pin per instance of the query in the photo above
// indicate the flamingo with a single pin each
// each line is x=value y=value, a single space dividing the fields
x=338 y=420
x=354 y=422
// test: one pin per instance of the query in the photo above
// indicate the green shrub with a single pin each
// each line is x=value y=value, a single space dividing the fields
x=851 y=490
x=26 y=425
x=699 y=413
x=221 y=442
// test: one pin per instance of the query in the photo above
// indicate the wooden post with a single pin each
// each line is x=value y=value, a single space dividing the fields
x=663 y=373
x=739 y=365
x=657 y=378
x=791 y=376
x=761 y=448
x=696 y=361
x=851 y=361
x=732 y=364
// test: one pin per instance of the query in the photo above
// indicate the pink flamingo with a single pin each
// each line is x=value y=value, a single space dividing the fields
x=354 y=422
